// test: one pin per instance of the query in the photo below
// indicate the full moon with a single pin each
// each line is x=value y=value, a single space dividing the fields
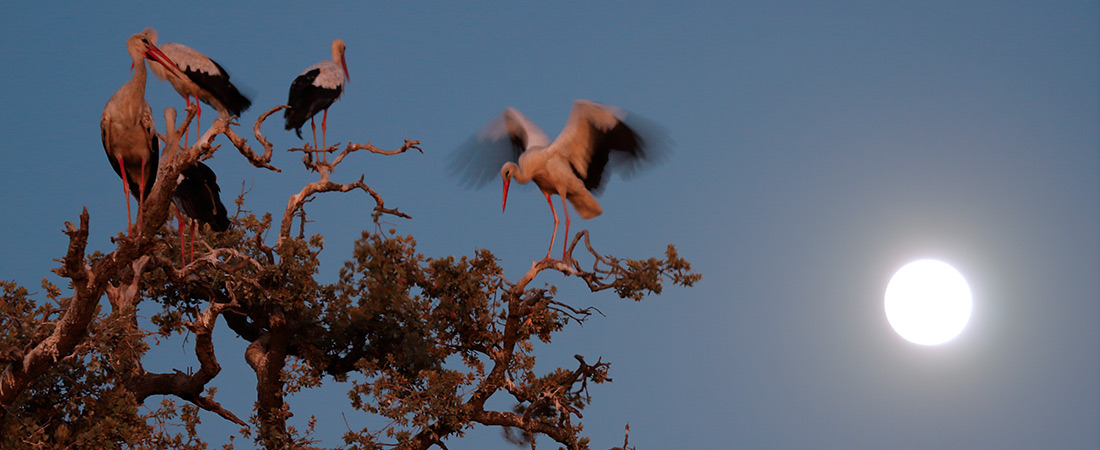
x=928 y=302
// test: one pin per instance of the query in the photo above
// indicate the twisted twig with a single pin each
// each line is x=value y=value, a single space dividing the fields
x=189 y=386
x=324 y=168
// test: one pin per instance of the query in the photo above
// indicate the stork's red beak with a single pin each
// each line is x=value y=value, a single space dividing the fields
x=344 y=62
x=155 y=54
x=504 y=202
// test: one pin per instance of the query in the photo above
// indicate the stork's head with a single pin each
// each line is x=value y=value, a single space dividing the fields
x=338 y=49
x=144 y=45
x=150 y=34
x=507 y=173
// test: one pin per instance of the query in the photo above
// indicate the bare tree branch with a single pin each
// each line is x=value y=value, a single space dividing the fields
x=626 y=440
x=507 y=419
x=189 y=386
x=269 y=151
x=70 y=329
x=324 y=168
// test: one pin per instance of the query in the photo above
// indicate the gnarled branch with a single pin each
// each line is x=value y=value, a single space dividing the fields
x=189 y=386
x=324 y=168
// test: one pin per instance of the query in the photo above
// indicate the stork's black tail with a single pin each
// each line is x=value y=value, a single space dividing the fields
x=235 y=102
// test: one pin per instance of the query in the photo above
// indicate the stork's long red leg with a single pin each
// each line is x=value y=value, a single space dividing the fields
x=314 y=127
x=198 y=118
x=141 y=194
x=555 y=235
x=565 y=237
x=126 y=193
x=324 y=130
x=193 y=240
x=186 y=134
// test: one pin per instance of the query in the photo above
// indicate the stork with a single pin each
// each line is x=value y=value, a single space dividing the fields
x=572 y=166
x=127 y=128
x=314 y=91
x=197 y=197
x=202 y=78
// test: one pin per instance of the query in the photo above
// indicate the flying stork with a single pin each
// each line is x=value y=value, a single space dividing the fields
x=314 y=91
x=197 y=197
x=572 y=166
x=127 y=128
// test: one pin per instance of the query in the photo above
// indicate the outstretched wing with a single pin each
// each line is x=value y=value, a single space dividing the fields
x=596 y=135
x=502 y=140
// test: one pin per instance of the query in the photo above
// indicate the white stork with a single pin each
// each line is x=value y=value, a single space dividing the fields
x=197 y=196
x=127 y=128
x=572 y=166
x=314 y=91
x=200 y=77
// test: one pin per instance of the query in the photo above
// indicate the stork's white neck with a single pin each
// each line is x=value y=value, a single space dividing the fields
x=513 y=171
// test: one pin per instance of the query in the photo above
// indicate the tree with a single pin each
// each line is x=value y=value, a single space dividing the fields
x=394 y=324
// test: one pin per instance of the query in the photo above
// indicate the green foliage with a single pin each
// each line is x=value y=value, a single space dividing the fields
x=80 y=403
x=423 y=341
x=21 y=321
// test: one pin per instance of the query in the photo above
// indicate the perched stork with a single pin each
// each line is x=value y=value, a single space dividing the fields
x=202 y=78
x=572 y=166
x=127 y=128
x=197 y=195
x=315 y=90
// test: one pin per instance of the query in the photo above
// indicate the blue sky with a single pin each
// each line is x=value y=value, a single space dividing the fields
x=818 y=147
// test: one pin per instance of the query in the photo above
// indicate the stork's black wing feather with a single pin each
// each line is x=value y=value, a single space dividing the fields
x=306 y=100
x=503 y=139
x=621 y=138
x=623 y=145
x=221 y=88
x=198 y=196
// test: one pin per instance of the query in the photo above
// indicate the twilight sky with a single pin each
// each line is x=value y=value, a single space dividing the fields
x=817 y=148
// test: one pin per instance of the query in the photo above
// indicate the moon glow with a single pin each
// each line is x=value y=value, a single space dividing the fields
x=928 y=302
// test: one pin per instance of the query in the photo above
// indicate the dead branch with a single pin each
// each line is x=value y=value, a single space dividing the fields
x=626 y=440
x=508 y=419
x=172 y=133
x=302 y=220
x=223 y=127
x=73 y=265
x=405 y=147
x=536 y=267
x=214 y=258
x=269 y=150
x=189 y=386
x=71 y=327
x=577 y=314
x=267 y=356
x=125 y=296
x=297 y=200
x=324 y=168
